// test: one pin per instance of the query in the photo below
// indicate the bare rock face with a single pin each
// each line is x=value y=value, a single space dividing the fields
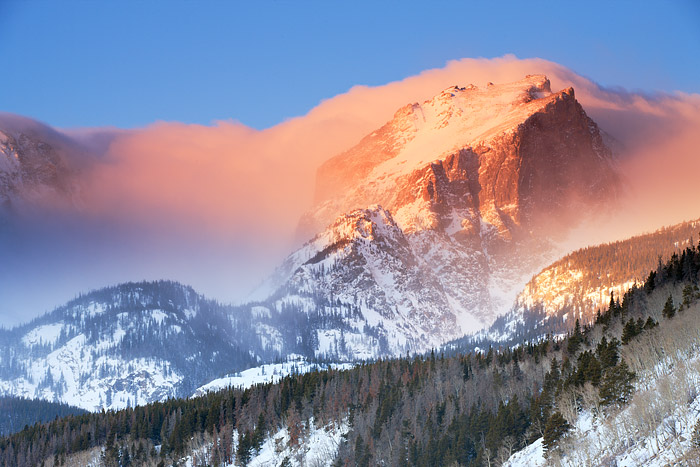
x=504 y=160
x=31 y=170
x=342 y=173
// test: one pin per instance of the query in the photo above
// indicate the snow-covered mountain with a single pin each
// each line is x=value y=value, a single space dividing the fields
x=473 y=186
x=130 y=344
x=361 y=274
x=142 y=342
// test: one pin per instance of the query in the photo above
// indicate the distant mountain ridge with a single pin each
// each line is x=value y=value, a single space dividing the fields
x=147 y=341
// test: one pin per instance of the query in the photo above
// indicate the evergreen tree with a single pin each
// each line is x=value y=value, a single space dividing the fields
x=616 y=387
x=650 y=323
x=650 y=283
x=669 y=310
x=608 y=352
x=690 y=293
x=629 y=331
x=556 y=427
x=575 y=339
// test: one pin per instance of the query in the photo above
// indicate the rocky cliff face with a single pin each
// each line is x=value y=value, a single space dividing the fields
x=478 y=182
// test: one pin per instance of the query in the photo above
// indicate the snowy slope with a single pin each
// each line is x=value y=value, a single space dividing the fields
x=371 y=294
x=269 y=373
x=655 y=429
x=317 y=446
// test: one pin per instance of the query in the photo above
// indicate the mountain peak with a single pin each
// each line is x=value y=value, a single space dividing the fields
x=466 y=181
x=498 y=144
x=456 y=117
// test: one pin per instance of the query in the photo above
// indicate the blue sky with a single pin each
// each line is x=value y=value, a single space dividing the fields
x=128 y=63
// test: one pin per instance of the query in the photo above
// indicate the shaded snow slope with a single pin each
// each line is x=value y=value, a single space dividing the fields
x=363 y=276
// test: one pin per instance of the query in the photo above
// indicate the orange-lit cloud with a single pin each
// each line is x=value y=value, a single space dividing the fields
x=231 y=180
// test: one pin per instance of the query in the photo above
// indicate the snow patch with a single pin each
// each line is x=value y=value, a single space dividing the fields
x=47 y=334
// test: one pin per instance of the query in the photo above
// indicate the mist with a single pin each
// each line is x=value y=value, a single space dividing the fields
x=216 y=206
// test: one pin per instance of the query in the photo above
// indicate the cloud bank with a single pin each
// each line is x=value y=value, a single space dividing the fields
x=216 y=206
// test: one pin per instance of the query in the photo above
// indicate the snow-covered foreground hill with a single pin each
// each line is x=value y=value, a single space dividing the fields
x=661 y=424
x=653 y=431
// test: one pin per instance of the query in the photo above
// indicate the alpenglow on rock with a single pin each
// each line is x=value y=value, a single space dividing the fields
x=471 y=159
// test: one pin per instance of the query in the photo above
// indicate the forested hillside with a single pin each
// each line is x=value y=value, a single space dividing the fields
x=472 y=409
x=17 y=412
x=581 y=283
